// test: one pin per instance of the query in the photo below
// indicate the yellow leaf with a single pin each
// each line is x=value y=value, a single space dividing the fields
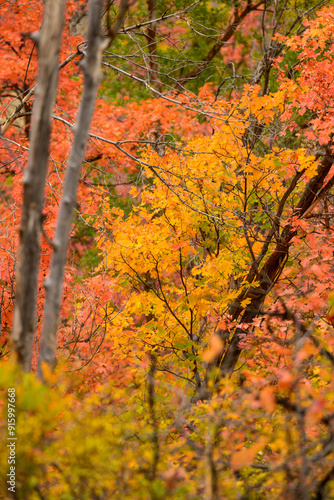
x=245 y=302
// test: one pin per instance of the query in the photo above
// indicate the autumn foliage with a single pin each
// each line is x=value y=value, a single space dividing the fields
x=195 y=345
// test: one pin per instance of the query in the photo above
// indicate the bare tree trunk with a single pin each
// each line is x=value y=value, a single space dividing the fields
x=48 y=41
x=92 y=76
x=152 y=45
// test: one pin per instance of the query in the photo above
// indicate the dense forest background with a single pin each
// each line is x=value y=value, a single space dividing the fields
x=167 y=249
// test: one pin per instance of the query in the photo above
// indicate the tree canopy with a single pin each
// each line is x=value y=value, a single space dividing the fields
x=167 y=249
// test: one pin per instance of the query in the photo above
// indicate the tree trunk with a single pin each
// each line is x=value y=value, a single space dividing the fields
x=152 y=45
x=92 y=76
x=48 y=41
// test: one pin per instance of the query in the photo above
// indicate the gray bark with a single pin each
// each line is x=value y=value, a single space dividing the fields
x=28 y=256
x=92 y=76
x=54 y=282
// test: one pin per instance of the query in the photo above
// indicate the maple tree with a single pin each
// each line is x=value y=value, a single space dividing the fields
x=195 y=334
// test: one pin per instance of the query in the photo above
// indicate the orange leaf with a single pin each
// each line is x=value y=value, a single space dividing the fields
x=267 y=399
x=244 y=458
x=215 y=348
